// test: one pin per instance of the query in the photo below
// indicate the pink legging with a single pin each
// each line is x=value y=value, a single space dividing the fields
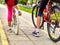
x=10 y=11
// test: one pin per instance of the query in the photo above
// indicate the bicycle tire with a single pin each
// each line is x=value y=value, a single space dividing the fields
x=17 y=26
x=15 y=23
x=49 y=26
x=35 y=8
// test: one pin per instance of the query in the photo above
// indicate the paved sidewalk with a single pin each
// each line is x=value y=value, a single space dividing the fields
x=0 y=41
x=25 y=36
x=4 y=40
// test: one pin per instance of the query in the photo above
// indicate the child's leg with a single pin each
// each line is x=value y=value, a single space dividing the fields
x=9 y=15
x=17 y=7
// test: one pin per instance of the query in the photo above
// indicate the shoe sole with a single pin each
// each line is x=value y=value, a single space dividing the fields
x=35 y=35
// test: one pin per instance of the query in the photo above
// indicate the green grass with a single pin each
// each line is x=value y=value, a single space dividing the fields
x=25 y=9
x=54 y=18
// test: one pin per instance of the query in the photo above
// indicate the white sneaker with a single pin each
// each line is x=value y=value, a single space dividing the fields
x=36 y=34
x=9 y=29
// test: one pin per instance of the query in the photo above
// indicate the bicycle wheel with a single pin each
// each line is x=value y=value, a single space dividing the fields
x=15 y=22
x=15 y=25
x=34 y=16
x=54 y=27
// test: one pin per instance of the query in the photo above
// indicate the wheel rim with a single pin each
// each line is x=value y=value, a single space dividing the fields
x=53 y=29
x=54 y=32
